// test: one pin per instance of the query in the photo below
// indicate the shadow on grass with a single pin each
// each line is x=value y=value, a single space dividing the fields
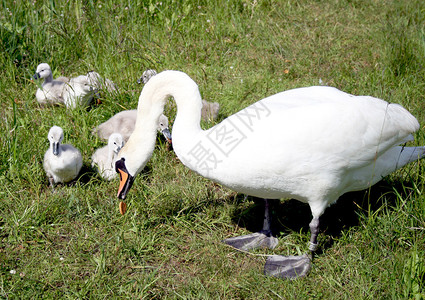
x=86 y=175
x=295 y=216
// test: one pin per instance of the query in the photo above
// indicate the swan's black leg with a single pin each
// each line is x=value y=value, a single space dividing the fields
x=262 y=239
x=267 y=220
x=293 y=267
x=314 y=229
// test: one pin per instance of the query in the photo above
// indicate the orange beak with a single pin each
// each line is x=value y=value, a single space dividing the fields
x=123 y=179
x=126 y=181
x=123 y=207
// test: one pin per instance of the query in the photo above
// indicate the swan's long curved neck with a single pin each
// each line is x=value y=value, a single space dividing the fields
x=138 y=150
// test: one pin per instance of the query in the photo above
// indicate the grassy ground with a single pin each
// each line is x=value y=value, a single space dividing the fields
x=74 y=244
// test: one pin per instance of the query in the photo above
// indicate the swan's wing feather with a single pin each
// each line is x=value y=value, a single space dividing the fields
x=327 y=123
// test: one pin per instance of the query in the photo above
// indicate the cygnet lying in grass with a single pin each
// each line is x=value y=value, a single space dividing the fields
x=209 y=110
x=101 y=84
x=62 y=163
x=71 y=92
x=63 y=79
x=124 y=122
x=78 y=92
x=104 y=158
x=50 y=91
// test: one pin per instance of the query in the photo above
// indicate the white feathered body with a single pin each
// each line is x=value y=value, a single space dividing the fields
x=122 y=122
x=78 y=92
x=50 y=92
x=65 y=166
x=312 y=144
x=104 y=158
x=105 y=165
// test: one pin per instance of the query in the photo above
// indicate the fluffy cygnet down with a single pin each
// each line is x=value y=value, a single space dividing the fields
x=72 y=92
x=62 y=163
x=63 y=79
x=101 y=84
x=104 y=158
x=209 y=110
x=50 y=91
x=78 y=92
x=124 y=122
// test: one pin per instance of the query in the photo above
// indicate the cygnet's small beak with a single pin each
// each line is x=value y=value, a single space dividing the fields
x=167 y=134
x=36 y=76
x=117 y=150
x=126 y=181
x=140 y=80
x=55 y=148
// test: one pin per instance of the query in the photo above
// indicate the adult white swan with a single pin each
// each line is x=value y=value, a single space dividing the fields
x=312 y=144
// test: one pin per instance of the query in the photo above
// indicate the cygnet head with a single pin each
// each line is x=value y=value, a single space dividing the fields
x=43 y=71
x=93 y=75
x=115 y=142
x=94 y=78
x=83 y=83
x=163 y=127
x=55 y=137
x=148 y=74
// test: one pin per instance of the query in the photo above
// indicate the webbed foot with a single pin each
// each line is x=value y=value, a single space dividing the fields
x=253 y=241
x=290 y=267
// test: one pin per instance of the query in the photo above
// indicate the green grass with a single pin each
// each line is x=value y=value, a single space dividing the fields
x=74 y=243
